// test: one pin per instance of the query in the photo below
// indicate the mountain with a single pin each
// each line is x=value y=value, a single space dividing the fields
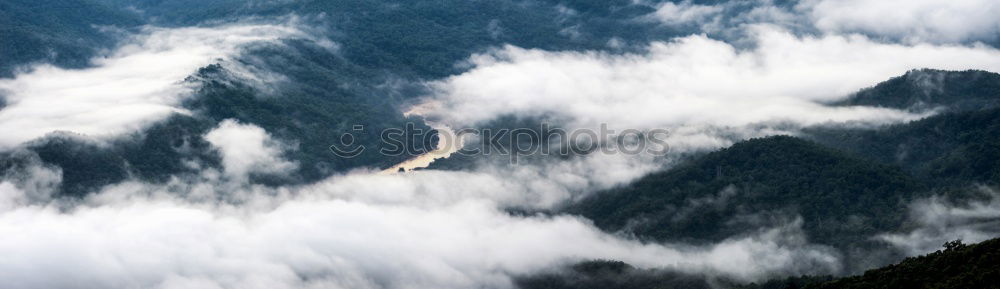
x=842 y=199
x=926 y=89
x=953 y=148
x=847 y=184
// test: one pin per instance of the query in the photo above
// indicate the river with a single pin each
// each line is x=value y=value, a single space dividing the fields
x=448 y=144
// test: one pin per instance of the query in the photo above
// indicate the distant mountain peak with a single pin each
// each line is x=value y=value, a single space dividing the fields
x=926 y=89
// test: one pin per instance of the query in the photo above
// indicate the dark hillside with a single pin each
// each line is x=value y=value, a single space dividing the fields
x=842 y=199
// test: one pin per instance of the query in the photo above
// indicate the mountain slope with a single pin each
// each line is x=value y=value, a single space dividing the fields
x=929 y=88
x=954 y=148
x=950 y=149
x=957 y=266
x=757 y=183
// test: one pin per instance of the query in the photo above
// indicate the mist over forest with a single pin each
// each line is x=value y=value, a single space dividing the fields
x=499 y=144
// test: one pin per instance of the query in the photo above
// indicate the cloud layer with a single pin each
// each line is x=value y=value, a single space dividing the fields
x=907 y=21
x=939 y=221
x=693 y=80
x=913 y=21
x=134 y=235
x=248 y=149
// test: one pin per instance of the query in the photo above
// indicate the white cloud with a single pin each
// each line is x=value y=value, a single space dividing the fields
x=908 y=21
x=248 y=149
x=310 y=241
x=28 y=182
x=671 y=13
x=693 y=80
x=914 y=21
x=139 y=83
x=941 y=221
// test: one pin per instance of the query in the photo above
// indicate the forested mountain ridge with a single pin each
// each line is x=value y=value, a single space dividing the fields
x=953 y=148
x=957 y=266
x=841 y=198
x=925 y=89
x=844 y=170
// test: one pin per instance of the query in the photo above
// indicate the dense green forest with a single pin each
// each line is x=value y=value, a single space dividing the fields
x=948 y=149
x=954 y=148
x=767 y=182
x=957 y=266
x=927 y=89
x=313 y=112
x=426 y=39
x=61 y=32
x=846 y=183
